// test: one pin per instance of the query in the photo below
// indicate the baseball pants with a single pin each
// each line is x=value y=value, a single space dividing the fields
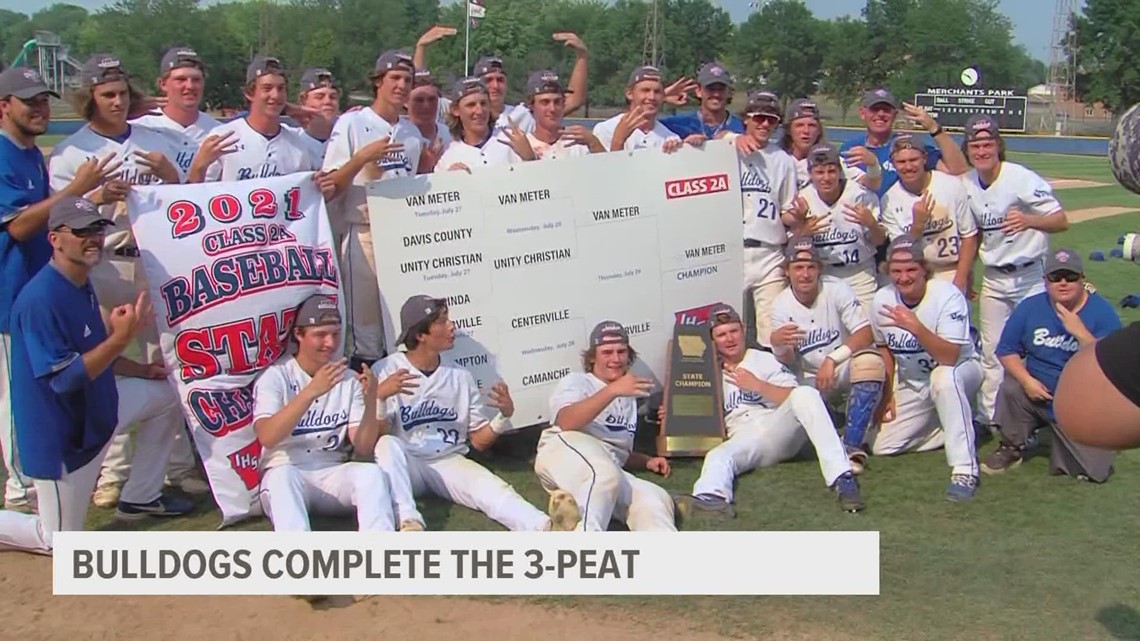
x=63 y=503
x=18 y=488
x=934 y=416
x=1000 y=293
x=762 y=438
x=764 y=279
x=1019 y=416
x=860 y=278
x=289 y=493
x=586 y=467
x=362 y=294
x=457 y=479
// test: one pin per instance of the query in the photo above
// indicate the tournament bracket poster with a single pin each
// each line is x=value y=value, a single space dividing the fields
x=227 y=265
x=531 y=256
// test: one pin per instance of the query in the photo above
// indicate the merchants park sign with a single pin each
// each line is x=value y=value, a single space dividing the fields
x=952 y=106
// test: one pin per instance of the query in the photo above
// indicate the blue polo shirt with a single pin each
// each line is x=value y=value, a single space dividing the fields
x=63 y=418
x=690 y=123
x=23 y=182
x=890 y=176
x=1035 y=332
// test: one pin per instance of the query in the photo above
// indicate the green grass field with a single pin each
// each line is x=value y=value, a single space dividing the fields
x=1034 y=557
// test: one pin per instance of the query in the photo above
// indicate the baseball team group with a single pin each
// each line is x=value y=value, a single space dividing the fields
x=858 y=274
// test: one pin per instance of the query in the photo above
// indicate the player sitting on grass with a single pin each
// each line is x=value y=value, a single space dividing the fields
x=823 y=335
x=590 y=440
x=770 y=417
x=309 y=415
x=433 y=407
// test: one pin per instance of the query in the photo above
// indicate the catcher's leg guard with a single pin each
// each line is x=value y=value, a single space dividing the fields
x=868 y=375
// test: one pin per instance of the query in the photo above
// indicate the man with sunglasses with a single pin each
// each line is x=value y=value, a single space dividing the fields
x=73 y=389
x=1046 y=330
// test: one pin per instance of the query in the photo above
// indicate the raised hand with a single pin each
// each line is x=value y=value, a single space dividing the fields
x=400 y=381
x=678 y=92
x=920 y=117
x=859 y=214
x=112 y=191
x=787 y=336
x=124 y=320
x=435 y=34
x=632 y=386
x=744 y=379
x=900 y=316
x=326 y=378
x=302 y=115
x=159 y=165
x=630 y=121
x=368 y=382
x=860 y=154
x=148 y=106
x=571 y=40
x=516 y=139
x=214 y=147
x=430 y=155
x=922 y=210
x=377 y=149
x=500 y=399
x=92 y=173
x=1016 y=221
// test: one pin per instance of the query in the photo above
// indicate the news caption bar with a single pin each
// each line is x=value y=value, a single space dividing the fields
x=467 y=563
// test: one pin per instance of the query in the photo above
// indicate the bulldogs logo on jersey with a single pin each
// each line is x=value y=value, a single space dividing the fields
x=412 y=416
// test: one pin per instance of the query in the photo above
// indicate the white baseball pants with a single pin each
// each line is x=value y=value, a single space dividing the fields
x=762 y=438
x=362 y=294
x=457 y=479
x=18 y=488
x=288 y=494
x=764 y=278
x=927 y=418
x=63 y=503
x=1000 y=294
x=859 y=278
x=585 y=467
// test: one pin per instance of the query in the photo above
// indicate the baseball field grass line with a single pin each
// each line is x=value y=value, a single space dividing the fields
x=1073 y=183
x=1093 y=168
x=1092 y=213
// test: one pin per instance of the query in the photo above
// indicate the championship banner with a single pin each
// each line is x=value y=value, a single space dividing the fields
x=531 y=256
x=227 y=265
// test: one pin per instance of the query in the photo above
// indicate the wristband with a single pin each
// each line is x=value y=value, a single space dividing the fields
x=875 y=171
x=501 y=424
x=938 y=132
x=840 y=355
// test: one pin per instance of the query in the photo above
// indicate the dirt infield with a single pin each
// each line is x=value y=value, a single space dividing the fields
x=1074 y=183
x=1092 y=213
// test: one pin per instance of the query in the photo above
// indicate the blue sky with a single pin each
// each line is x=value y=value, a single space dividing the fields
x=1032 y=19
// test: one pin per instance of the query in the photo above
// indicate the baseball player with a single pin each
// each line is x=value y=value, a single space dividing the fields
x=770 y=417
x=1047 y=329
x=849 y=217
x=714 y=88
x=821 y=332
x=372 y=143
x=435 y=410
x=922 y=328
x=589 y=444
x=804 y=132
x=183 y=81
x=551 y=139
x=932 y=206
x=638 y=127
x=73 y=389
x=258 y=145
x=321 y=94
x=424 y=104
x=309 y=414
x=475 y=143
x=1015 y=211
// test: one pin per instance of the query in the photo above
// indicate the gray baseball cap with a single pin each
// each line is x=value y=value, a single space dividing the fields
x=763 y=102
x=823 y=153
x=318 y=309
x=465 y=87
x=486 y=65
x=880 y=96
x=607 y=332
x=978 y=124
x=906 y=141
x=723 y=313
x=76 y=213
x=393 y=59
x=803 y=108
x=263 y=65
x=1063 y=260
x=177 y=57
x=314 y=77
x=416 y=310
x=423 y=78
x=101 y=68
x=801 y=245
x=643 y=73
x=713 y=73
x=544 y=81
x=23 y=83
x=912 y=246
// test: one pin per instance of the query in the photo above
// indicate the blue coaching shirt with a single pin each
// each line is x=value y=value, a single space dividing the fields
x=690 y=123
x=63 y=418
x=890 y=176
x=23 y=182
x=1035 y=332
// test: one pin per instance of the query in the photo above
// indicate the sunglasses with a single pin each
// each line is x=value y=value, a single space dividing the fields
x=765 y=118
x=85 y=232
x=1067 y=276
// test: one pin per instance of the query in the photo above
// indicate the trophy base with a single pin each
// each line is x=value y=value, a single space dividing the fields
x=686 y=446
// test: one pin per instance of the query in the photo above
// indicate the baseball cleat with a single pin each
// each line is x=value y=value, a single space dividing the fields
x=107 y=495
x=411 y=525
x=1006 y=457
x=162 y=506
x=713 y=505
x=858 y=460
x=962 y=487
x=846 y=490
x=563 y=511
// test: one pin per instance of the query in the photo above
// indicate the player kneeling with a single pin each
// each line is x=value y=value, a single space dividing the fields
x=433 y=406
x=770 y=417
x=824 y=336
x=308 y=416
x=591 y=436
x=922 y=328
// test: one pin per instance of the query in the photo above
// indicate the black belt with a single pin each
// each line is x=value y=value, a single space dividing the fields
x=756 y=244
x=128 y=252
x=1009 y=269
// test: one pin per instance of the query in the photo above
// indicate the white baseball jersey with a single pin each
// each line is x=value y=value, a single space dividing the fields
x=768 y=187
x=950 y=221
x=441 y=132
x=561 y=148
x=827 y=324
x=85 y=144
x=803 y=174
x=843 y=243
x=355 y=130
x=186 y=139
x=435 y=419
x=316 y=146
x=260 y=157
x=653 y=139
x=492 y=153
x=320 y=438
x=766 y=368
x=1017 y=187
x=520 y=114
x=943 y=310
x=616 y=425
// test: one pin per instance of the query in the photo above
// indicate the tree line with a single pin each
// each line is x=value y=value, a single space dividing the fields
x=905 y=45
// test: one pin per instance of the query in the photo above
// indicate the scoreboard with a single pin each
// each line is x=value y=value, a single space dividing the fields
x=953 y=106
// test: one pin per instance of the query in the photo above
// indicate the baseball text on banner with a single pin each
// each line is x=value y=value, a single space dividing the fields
x=531 y=256
x=467 y=563
x=227 y=264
